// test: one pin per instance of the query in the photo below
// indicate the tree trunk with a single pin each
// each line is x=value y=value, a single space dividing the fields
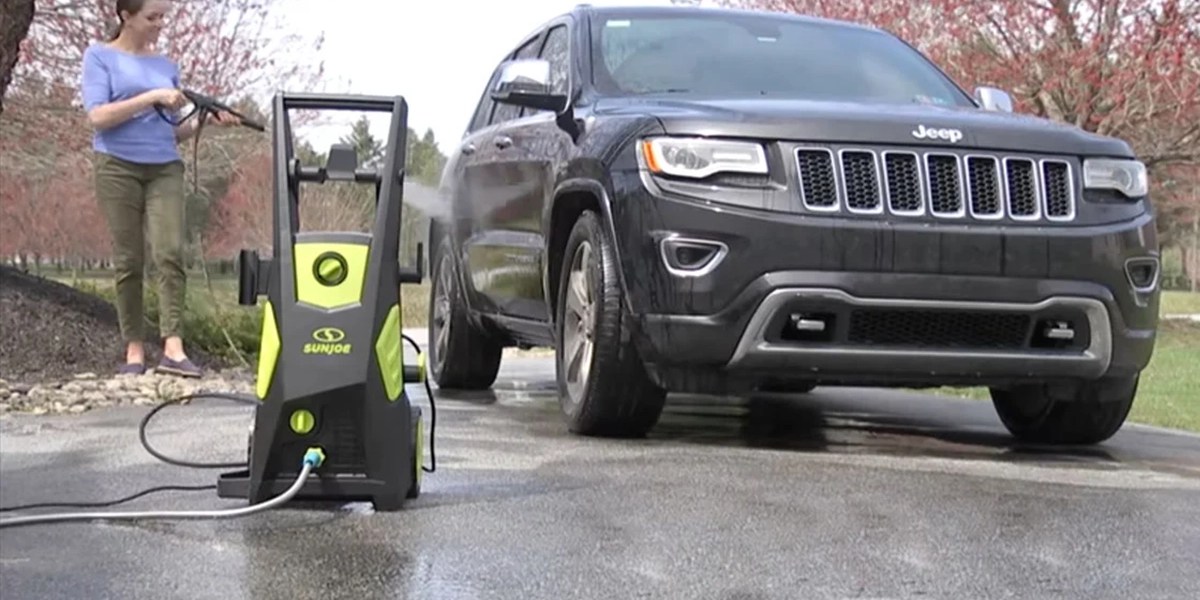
x=15 y=17
x=1191 y=264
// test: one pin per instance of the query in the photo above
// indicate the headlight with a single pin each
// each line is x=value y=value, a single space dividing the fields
x=699 y=157
x=1125 y=176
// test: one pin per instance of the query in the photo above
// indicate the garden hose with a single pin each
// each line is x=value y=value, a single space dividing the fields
x=312 y=459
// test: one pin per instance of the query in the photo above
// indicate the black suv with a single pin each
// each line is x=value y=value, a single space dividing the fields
x=715 y=201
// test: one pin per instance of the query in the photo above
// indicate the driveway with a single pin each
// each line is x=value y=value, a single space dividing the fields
x=838 y=493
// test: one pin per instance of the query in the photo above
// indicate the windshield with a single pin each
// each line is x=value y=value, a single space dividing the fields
x=751 y=55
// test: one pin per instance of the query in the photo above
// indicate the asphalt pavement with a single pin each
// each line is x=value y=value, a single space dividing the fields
x=840 y=493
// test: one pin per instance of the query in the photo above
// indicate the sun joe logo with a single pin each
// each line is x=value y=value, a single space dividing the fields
x=950 y=135
x=327 y=341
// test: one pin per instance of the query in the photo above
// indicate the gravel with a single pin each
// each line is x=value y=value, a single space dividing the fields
x=60 y=348
x=87 y=391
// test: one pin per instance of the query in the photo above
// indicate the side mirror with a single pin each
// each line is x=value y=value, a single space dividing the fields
x=526 y=82
x=994 y=99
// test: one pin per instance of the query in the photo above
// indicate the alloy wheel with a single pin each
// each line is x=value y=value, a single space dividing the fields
x=578 y=322
x=441 y=314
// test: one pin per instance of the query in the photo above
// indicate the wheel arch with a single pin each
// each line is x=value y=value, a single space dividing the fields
x=571 y=198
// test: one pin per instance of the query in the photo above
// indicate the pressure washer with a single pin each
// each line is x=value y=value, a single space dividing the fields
x=331 y=370
x=332 y=418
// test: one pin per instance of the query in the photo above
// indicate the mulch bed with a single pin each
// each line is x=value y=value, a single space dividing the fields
x=50 y=331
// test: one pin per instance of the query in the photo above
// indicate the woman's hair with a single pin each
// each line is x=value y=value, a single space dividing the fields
x=133 y=7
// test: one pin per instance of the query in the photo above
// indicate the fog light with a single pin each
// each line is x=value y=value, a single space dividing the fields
x=1053 y=333
x=1142 y=273
x=689 y=257
x=809 y=327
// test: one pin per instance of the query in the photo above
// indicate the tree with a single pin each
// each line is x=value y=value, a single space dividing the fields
x=368 y=149
x=15 y=17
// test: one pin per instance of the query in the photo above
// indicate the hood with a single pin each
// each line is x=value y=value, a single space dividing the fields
x=864 y=123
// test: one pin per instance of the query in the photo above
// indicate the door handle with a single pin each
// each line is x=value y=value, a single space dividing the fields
x=468 y=148
x=502 y=141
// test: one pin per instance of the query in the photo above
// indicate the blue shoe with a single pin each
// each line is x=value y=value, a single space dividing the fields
x=131 y=369
x=182 y=368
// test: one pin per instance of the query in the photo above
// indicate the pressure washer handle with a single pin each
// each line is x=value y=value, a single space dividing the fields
x=205 y=103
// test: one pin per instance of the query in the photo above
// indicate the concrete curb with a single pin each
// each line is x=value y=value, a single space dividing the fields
x=1194 y=318
x=1162 y=430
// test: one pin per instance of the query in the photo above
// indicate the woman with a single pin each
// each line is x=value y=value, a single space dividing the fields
x=139 y=174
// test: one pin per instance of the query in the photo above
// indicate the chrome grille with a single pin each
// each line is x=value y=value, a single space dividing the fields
x=818 y=185
x=1021 y=189
x=903 y=183
x=1059 y=189
x=945 y=193
x=863 y=192
x=942 y=183
x=983 y=191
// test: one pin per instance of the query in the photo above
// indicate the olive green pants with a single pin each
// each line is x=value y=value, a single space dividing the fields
x=140 y=201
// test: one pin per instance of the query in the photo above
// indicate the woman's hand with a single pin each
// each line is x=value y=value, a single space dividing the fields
x=169 y=97
x=225 y=119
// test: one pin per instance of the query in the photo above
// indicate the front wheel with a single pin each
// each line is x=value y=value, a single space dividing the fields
x=460 y=355
x=1087 y=413
x=603 y=386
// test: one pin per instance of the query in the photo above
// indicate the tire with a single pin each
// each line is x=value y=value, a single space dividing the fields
x=1090 y=413
x=460 y=355
x=603 y=386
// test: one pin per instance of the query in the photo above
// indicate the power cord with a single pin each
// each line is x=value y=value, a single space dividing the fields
x=239 y=398
x=154 y=490
x=432 y=411
x=312 y=459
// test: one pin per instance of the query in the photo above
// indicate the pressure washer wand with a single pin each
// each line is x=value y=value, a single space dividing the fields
x=207 y=104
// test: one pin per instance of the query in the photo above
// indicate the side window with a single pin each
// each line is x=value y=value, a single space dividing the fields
x=557 y=50
x=508 y=112
x=484 y=109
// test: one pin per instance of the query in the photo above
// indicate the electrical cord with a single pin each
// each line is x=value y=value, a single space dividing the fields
x=240 y=398
x=432 y=412
x=154 y=490
x=312 y=459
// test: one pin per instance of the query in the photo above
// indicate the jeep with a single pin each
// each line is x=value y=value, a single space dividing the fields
x=701 y=200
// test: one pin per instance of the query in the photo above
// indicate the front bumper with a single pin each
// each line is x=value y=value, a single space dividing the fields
x=904 y=302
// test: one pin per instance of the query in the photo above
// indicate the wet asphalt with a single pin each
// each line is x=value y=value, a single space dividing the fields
x=840 y=493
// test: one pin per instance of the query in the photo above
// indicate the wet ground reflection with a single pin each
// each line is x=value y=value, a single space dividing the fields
x=844 y=420
x=824 y=421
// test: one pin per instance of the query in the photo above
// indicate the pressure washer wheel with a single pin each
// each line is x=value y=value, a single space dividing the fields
x=461 y=355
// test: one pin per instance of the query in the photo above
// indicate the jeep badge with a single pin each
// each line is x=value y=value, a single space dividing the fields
x=950 y=135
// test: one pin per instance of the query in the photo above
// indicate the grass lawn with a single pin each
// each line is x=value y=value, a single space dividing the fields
x=1180 y=303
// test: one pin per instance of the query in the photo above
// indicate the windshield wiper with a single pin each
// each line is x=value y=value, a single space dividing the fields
x=664 y=91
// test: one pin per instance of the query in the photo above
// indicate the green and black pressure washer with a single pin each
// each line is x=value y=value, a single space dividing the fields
x=332 y=419
x=331 y=370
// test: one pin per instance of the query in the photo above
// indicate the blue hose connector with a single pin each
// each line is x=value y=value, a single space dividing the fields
x=314 y=457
